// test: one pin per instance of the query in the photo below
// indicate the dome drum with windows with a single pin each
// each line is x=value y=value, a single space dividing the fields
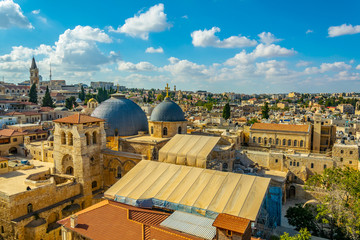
x=167 y=119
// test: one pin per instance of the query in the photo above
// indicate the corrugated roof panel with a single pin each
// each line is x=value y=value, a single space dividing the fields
x=192 y=224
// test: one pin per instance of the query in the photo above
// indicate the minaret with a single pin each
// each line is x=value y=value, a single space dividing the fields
x=34 y=73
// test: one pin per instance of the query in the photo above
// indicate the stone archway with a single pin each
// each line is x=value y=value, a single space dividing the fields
x=292 y=192
x=67 y=165
x=13 y=150
x=127 y=166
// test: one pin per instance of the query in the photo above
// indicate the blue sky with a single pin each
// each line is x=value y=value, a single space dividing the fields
x=244 y=46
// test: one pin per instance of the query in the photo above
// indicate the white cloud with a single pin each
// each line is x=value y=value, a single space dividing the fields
x=326 y=67
x=272 y=68
x=75 y=54
x=35 y=12
x=207 y=38
x=154 y=50
x=309 y=31
x=184 y=69
x=154 y=20
x=185 y=17
x=261 y=51
x=358 y=67
x=268 y=38
x=131 y=67
x=302 y=63
x=344 y=29
x=12 y=15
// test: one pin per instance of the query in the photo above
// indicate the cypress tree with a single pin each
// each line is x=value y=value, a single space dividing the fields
x=47 y=100
x=226 y=111
x=82 y=93
x=265 y=111
x=33 y=94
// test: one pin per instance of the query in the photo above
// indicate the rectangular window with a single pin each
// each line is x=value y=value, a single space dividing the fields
x=351 y=152
x=14 y=139
x=290 y=163
x=312 y=165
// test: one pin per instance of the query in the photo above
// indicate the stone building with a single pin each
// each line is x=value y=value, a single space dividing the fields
x=346 y=108
x=34 y=198
x=34 y=74
x=281 y=136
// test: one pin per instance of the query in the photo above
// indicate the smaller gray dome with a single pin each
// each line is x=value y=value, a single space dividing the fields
x=167 y=111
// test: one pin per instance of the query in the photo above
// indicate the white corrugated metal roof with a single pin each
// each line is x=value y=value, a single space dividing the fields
x=192 y=224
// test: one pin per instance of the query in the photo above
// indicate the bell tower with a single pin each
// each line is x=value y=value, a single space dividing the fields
x=34 y=73
x=78 y=141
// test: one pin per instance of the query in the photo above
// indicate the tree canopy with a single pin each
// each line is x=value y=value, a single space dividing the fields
x=339 y=206
x=303 y=235
x=47 y=101
x=265 y=111
x=226 y=111
x=33 y=97
x=70 y=102
x=82 y=93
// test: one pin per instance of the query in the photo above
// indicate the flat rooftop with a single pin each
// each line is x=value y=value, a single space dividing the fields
x=14 y=182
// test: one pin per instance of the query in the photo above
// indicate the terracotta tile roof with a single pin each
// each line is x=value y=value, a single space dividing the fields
x=23 y=113
x=78 y=118
x=230 y=222
x=10 y=133
x=148 y=218
x=112 y=220
x=281 y=127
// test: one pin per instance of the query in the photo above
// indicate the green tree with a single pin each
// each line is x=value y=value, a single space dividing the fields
x=303 y=235
x=47 y=101
x=339 y=206
x=208 y=106
x=70 y=102
x=226 y=111
x=252 y=121
x=160 y=97
x=303 y=217
x=33 y=97
x=265 y=111
x=82 y=93
x=144 y=99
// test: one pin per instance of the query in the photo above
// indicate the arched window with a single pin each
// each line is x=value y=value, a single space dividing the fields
x=265 y=141
x=259 y=140
x=179 y=130
x=254 y=139
x=118 y=172
x=301 y=143
x=70 y=139
x=4 y=165
x=69 y=170
x=152 y=130
x=87 y=135
x=165 y=131
x=63 y=138
x=277 y=141
x=94 y=184
x=95 y=137
x=284 y=142
x=295 y=143
x=270 y=140
x=29 y=208
x=289 y=142
x=116 y=132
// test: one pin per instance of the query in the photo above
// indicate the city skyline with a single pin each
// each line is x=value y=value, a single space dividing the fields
x=244 y=46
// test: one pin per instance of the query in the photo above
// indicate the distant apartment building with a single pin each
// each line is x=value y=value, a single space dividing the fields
x=106 y=85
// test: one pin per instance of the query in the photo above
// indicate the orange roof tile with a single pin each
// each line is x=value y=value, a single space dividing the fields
x=78 y=118
x=112 y=220
x=280 y=127
x=10 y=132
x=230 y=222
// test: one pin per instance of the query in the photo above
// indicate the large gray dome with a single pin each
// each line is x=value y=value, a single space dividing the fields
x=122 y=116
x=167 y=111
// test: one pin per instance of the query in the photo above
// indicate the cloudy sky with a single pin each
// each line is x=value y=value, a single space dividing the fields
x=244 y=46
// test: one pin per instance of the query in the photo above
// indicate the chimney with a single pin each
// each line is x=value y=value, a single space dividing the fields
x=73 y=221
